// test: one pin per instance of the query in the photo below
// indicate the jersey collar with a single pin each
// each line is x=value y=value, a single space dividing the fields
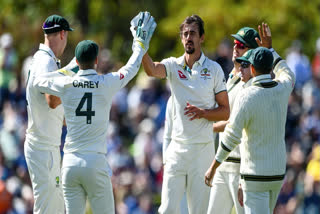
x=247 y=84
x=48 y=50
x=182 y=62
x=87 y=72
x=45 y=48
x=261 y=78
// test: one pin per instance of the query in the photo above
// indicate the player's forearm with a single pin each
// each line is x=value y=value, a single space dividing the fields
x=283 y=73
x=217 y=114
x=153 y=69
x=132 y=66
x=148 y=65
x=219 y=126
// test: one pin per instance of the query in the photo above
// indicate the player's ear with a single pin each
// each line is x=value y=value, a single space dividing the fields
x=252 y=71
x=77 y=62
x=62 y=34
x=96 y=61
x=202 y=38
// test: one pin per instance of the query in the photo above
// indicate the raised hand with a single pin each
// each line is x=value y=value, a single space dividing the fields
x=142 y=28
x=265 y=35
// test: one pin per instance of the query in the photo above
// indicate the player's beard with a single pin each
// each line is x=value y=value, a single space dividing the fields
x=189 y=49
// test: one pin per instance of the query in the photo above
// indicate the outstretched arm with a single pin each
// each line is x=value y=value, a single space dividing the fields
x=281 y=71
x=142 y=28
x=153 y=69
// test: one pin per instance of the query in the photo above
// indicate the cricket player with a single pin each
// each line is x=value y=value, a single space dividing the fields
x=224 y=191
x=260 y=112
x=197 y=85
x=86 y=98
x=45 y=120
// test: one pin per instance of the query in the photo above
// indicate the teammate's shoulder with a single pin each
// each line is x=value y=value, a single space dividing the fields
x=66 y=72
x=41 y=58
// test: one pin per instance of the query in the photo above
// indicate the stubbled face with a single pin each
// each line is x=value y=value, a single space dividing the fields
x=245 y=71
x=191 y=39
x=238 y=50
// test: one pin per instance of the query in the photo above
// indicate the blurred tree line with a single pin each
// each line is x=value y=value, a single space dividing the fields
x=108 y=21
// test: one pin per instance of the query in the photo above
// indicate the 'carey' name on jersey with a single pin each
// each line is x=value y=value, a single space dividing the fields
x=85 y=84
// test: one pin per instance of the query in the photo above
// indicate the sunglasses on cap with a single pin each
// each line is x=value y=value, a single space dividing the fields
x=239 y=44
x=50 y=25
x=244 y=64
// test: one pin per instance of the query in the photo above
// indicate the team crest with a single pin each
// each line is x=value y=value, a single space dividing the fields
x=241 y=33
x=205 y=74
x=121 y=76
x=57 y=181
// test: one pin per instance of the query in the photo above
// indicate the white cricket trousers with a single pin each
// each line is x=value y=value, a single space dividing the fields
x=87 y=180
x=184 y=171
x=224 y=193
x=260 y=202
x=44 y=170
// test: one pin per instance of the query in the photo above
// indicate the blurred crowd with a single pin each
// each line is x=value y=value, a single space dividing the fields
x=134 y=139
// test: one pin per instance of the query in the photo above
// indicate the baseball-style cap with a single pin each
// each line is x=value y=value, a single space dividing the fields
x=86 y=51
x=261 y=58
x=247 y=36
x=245 y=57
x=55 y=23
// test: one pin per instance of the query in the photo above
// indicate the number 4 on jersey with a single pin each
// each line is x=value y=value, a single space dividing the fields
x=87 y=98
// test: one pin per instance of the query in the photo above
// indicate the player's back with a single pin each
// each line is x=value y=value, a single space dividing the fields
x=87 y=101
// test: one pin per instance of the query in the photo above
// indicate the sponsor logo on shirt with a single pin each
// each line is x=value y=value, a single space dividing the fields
x=205 y=74
x=181 y=75
x=121 y=76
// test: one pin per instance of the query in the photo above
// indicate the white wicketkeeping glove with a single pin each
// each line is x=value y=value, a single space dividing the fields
x=142 y=28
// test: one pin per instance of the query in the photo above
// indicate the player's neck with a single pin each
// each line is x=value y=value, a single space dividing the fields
x=53 y=45
x=190 y=59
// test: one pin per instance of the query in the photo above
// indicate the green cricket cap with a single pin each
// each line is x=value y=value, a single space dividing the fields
x=86 y=51
x=245 y=57
x=55 y=23
x=261 y=58
x=247 y=36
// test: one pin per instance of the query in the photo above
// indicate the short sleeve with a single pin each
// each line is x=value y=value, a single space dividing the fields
x=220 y=80
x=168 y=65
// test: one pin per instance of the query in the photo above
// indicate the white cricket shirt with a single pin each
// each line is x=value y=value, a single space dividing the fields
x=86 y=98
x=261 y=111
x=44 y=124
x=198 y=86
x=167 y=132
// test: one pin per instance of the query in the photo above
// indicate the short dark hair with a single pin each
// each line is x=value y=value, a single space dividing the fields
x=192 y=19
x=86 y=65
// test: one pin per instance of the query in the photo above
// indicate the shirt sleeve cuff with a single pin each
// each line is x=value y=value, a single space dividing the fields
x=222 y=153
x=276 y=57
